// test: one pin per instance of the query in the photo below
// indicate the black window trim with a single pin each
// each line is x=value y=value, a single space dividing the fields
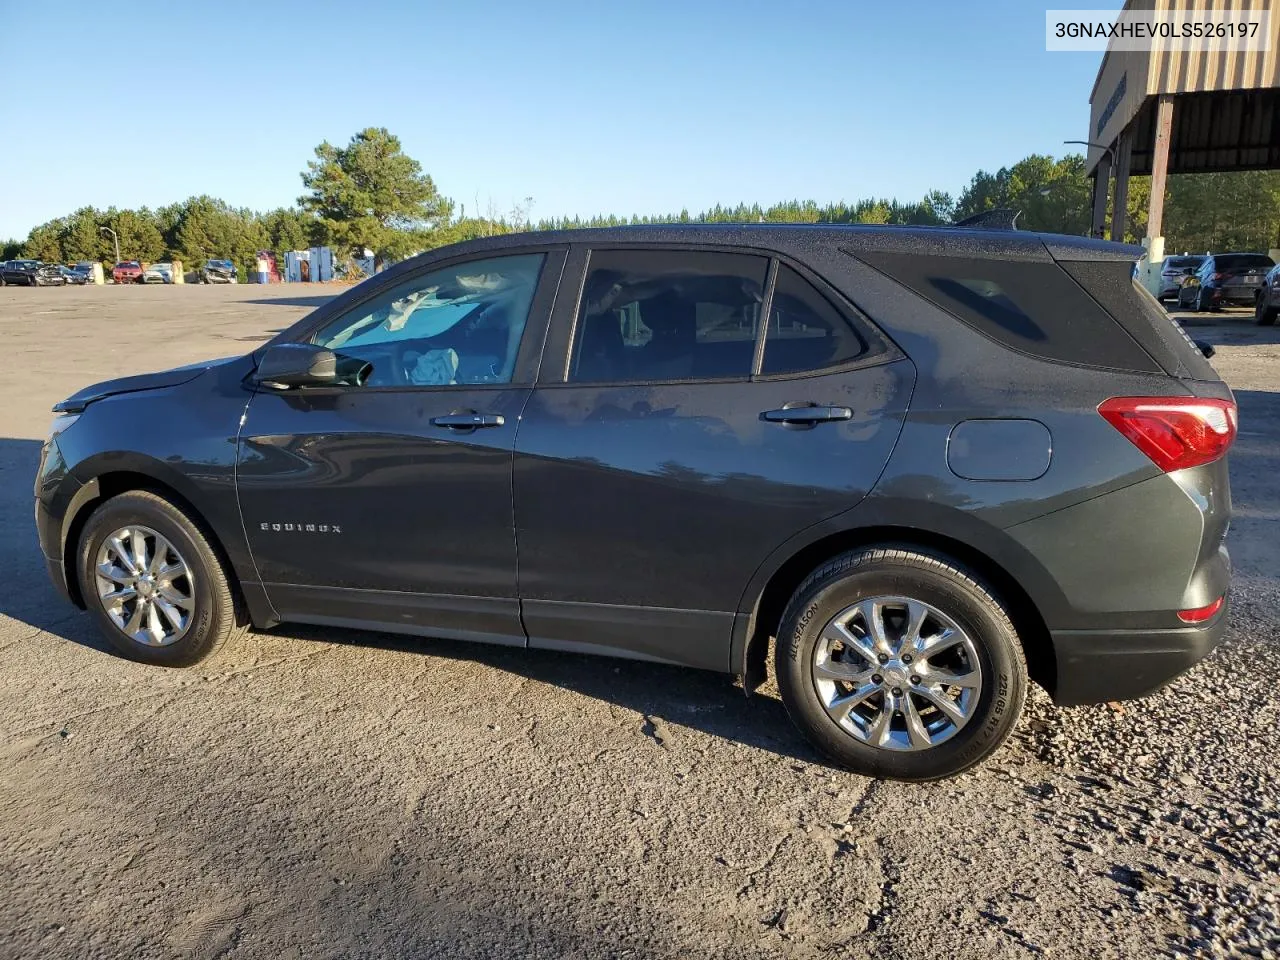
x=532 y=341
x=856 y=317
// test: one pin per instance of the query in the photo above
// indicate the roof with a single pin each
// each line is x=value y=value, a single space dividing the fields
x=796 y=238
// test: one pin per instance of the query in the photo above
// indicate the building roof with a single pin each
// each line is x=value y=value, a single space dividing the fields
x=1226 y=113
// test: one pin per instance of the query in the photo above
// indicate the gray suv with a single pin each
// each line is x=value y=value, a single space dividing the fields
x=924 y=466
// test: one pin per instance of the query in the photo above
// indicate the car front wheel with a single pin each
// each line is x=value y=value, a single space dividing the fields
x=897 y=662
x=1262 y=313
x=151 y=579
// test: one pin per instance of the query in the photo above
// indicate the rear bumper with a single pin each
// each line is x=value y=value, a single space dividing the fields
x=1244 y=296
x=1094 y=667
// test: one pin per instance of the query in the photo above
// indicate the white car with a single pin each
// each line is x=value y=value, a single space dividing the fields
x=158 y=273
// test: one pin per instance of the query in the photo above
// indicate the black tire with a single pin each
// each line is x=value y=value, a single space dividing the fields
x=948 y=587
x=1262 y=315
x=217 y=616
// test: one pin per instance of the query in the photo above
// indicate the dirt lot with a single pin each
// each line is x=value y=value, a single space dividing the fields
x=320 y=794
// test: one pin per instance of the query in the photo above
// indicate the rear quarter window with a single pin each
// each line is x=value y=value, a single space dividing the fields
x=1032 y=307
x=1109 y=282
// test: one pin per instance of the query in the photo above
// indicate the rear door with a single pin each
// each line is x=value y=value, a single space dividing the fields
x=697 y=408
x=389 y=504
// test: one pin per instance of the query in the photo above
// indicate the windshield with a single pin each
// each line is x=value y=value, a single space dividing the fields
x=223 y=264
x=128 y=264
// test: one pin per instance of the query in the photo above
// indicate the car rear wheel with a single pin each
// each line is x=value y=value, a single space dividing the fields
x=897 y=662
x=151 y=579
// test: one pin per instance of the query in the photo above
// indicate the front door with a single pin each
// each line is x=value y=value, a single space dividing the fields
x=685 y=439
x=389 y=504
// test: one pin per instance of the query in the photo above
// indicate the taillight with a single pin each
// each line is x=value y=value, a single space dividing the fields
x=1175 y=432
x=1218 y=276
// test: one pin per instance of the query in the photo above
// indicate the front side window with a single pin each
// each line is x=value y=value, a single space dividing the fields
x=461 y=324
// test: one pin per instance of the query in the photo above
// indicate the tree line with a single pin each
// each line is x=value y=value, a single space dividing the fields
x=369 y=195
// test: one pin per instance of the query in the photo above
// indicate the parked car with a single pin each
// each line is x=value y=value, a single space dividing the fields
x=33 y=273
x=1174 y=272
x=1267 y=304
x=1225 y=279
x=79 y=274
x=127 y=271
x=219 y=271
x=157 y=273
x=727 y=434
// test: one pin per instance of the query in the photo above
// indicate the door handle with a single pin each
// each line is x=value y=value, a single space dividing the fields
x=468 y=420
x=807 y=414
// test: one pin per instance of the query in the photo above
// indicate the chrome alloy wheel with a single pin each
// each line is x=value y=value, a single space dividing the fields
x=897 y=673
x=145 y=586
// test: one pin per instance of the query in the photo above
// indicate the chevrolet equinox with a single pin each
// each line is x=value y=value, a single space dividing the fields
x=927 y=466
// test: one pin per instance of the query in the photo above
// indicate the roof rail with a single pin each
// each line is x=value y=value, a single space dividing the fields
x=1001 y=218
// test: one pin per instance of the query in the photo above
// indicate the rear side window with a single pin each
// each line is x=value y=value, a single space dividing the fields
x=1128 y=301
x=653 y=315
x=1031 y=307
x=806 y=330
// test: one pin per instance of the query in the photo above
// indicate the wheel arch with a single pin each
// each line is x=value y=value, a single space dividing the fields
x=749 y=654
x=112 y=483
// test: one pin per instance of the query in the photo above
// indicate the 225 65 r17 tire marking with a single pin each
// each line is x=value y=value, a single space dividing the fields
x=897 y=673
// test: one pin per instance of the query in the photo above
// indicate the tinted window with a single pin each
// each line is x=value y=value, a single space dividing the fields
x=1032 y=307
x=652 y=315
x=1182 y=263
x=458 y=325
x=1243 y=261
x=806 y=331
x=1128 y=301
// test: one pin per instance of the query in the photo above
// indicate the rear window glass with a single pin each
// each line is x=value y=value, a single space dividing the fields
x=1031 y=307
x=1183 y=262
x=1243 y=261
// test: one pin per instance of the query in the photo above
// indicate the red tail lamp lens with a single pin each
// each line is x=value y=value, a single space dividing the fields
x=1175 y=432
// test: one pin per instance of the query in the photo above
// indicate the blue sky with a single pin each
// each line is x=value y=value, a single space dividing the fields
x=586 y=107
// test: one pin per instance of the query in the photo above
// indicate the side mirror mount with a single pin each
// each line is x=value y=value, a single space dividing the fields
x=1206 y=348
x=285 y=366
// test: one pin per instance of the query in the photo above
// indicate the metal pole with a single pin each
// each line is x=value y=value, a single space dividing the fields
x=1101 y=184
x=113 y=237
x=1120 y=203
x=1160 y=165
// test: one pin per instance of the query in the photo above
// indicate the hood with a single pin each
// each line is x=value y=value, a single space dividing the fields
x=143 y=381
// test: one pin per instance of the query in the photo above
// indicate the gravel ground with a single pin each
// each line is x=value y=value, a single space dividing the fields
x=325 y=794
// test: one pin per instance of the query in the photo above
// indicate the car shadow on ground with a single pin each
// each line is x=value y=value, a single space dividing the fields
x=661 y=694
x=295 y=301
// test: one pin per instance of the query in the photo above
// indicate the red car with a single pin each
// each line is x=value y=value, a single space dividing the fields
x=126 y=271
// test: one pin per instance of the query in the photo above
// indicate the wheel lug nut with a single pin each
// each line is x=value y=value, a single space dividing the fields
x=883 y=658
x=906 y=658
x=915 y=679
x=897 y=691
x=876 y=678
